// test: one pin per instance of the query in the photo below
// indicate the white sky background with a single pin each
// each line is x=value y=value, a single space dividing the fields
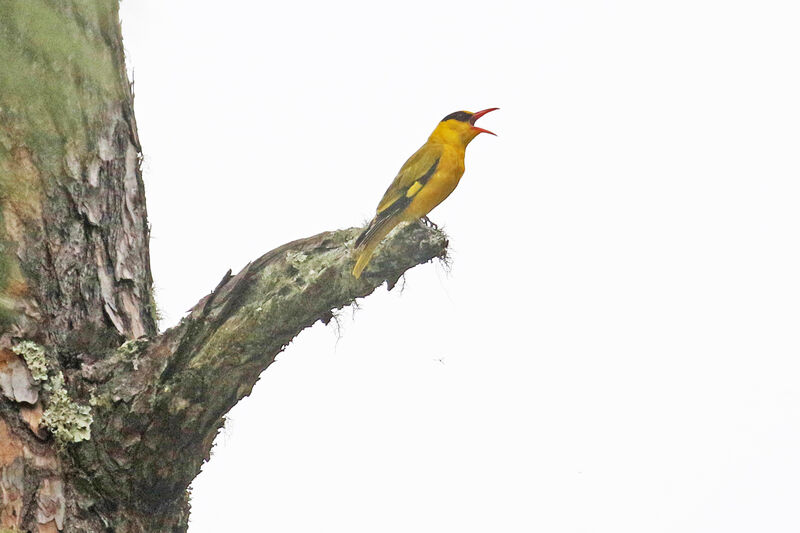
x=619 y=333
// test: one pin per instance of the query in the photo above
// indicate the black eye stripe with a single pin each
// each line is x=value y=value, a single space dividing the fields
x=461 y=116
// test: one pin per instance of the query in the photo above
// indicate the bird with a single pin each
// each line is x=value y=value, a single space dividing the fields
x=423 y=182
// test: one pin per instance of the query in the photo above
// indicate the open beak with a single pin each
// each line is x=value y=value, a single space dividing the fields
x=479 y=114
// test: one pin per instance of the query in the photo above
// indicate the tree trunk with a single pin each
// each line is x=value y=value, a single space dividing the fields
x=104 y=422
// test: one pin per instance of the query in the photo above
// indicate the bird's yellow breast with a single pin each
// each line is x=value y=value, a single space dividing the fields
x=441 y=184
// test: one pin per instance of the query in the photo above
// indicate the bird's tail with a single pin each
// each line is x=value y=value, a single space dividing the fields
x=370 y=238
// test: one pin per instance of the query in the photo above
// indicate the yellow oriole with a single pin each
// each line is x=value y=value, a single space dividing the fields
x=427 y=178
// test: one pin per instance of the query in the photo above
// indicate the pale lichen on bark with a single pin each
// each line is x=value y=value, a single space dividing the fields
x=66 y=419
x=35 y=357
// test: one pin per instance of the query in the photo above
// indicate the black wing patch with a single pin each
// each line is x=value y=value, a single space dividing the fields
x=400 y=204
x=431 y=171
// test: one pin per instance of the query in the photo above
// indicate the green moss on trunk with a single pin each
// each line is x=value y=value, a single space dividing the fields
x=59 y=74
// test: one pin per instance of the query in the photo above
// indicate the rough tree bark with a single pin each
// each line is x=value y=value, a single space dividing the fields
x=103 y=421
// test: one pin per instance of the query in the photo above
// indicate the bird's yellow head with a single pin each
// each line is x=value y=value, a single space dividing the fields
x=459 y=127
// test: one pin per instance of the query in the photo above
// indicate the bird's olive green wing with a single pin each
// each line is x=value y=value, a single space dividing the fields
x=414 y=174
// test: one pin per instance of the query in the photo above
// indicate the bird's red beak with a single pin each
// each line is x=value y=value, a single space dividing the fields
x=479 y=114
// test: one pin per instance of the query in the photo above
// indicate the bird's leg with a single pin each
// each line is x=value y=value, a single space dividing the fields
x=429 y=223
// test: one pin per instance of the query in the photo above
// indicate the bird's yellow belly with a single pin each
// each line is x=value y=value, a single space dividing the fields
x=441 y=184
